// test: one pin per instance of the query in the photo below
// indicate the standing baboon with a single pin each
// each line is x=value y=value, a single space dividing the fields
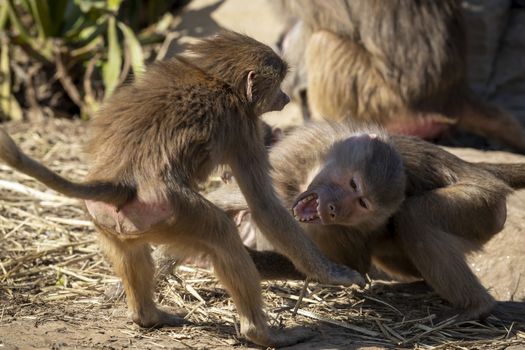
x=399 y=63
x=153 y=143
x=401 y=204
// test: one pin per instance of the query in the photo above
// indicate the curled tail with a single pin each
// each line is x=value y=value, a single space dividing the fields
x=512 y=173
x=96 y=190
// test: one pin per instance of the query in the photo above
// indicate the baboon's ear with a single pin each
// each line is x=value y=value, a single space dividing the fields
x=249 y=85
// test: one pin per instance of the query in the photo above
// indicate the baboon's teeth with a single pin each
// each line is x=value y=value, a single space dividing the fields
x=312 y=202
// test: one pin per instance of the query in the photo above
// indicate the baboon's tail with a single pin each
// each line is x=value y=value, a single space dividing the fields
x=511 y=311
x=490 y=121
x=98 y=191
x=512 y=173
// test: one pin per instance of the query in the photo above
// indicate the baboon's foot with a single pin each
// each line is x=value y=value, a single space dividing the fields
x=156 y=318
x=277 y=338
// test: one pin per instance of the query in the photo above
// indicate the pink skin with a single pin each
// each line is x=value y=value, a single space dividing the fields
x=134 y=217
x=427 y=128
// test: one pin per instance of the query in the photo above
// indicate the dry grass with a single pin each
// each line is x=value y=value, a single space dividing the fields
x=48 y=255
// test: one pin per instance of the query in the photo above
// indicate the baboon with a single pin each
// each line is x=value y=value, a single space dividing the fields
x=270 y=136
x=152 y=144
x=398 y=203
x=398 y=63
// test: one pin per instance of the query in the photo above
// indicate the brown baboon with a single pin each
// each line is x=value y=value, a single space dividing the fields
x=398 y=63
x=398 y=203
x=155 y=141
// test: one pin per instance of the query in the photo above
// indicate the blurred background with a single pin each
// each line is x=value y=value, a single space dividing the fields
x=62 y=58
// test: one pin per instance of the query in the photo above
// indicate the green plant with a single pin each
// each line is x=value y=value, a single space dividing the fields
x=89 y=45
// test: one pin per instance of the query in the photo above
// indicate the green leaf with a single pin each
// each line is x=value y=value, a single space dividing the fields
x=135 y=50
x=111 y=68
x=3 y=15
x=57 y=9
x=8 y=104
x=15 y=20
x=114 y=5
x=86 y=29
x=164 y=22
x=88 y=49
x=40 y=12
x=73 y=19
x=87 y=33
x=89 y=5
x=25 y=4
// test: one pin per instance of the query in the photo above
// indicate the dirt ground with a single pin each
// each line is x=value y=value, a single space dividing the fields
x=57 y=292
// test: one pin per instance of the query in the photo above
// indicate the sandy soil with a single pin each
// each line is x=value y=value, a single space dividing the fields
x=501 y=267
x=41 y=315
x=60 y=299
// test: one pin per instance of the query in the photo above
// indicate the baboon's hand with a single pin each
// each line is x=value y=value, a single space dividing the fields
x=319 y=268
x=339 y=274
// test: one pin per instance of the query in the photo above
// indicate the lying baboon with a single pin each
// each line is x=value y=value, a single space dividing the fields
x=399 y=63
x=152 y=144
x=400 y=204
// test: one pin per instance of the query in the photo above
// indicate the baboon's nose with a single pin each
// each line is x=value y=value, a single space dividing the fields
x=286 y=99
x=332 y=211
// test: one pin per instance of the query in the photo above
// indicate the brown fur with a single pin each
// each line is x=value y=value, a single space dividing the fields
x=427 y=208
x=161 y=137
x=398 y=63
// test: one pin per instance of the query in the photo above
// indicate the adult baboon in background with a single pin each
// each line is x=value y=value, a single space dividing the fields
x=408 y=207
x=399 y=63
x=155 y=141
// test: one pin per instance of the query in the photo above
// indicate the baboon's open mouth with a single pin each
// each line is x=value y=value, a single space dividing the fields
x=306 y=209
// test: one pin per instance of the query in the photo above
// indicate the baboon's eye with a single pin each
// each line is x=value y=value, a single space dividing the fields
x=363 y=203
x=353 y=184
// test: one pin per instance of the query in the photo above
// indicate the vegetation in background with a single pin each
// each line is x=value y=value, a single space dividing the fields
x=68 y=55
